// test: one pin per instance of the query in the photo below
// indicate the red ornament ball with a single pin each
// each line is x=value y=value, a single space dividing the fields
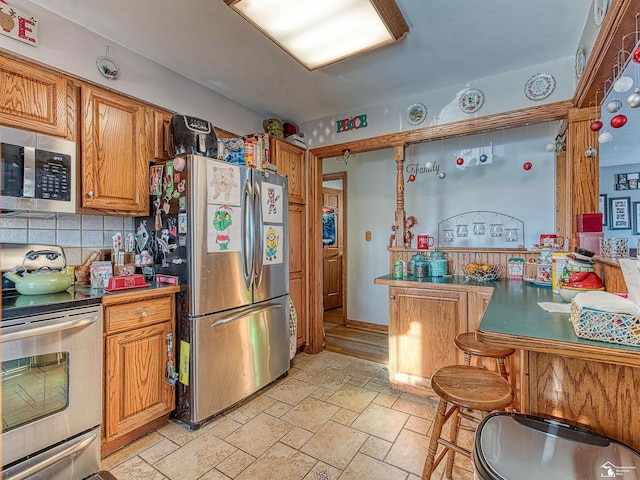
x=636 y=55
x=412 y=178
x=618 y=121
x=527 y=166
x=460 y=161
x=595 y=126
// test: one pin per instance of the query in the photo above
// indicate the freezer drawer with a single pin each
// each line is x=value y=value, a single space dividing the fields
x=236 y=353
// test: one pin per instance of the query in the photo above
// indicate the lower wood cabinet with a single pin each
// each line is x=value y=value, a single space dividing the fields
x=422 y=326
x=139 y=327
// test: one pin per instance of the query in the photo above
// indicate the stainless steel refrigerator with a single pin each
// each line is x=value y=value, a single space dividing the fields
x=222 y=229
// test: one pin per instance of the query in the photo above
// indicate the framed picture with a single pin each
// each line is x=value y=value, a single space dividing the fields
x=620 y=213
x=622 y=178
x=636 y=218
x=603 y=208
x=633 y=176
x=633 y=184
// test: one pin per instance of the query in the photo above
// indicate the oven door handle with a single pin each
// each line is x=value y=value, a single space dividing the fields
x=32 y=332
x=67 y=452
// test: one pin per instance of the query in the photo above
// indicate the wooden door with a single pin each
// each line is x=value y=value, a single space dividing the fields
x=290 y=160
x=136 y=388
x=298 y=267
x=332 y=251
x=115 y=156
x=32 y=97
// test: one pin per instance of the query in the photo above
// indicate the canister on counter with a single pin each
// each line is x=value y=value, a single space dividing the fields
x=437 y=264
x=399 y=269
x=422 y=268
x=412 y=264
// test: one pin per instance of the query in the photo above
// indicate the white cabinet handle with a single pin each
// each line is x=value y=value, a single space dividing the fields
x=90 y=193
x=392 y=297
x=144 y=314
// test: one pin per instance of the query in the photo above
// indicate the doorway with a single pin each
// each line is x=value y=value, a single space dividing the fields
x=334 y=244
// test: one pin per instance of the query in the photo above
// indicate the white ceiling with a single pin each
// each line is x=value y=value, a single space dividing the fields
x=450 y=42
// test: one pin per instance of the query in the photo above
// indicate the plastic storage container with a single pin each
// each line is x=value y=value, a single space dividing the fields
x=512 y=446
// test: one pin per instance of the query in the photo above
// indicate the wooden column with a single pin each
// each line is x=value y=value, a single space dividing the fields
x=398 y=156
x=582 y=174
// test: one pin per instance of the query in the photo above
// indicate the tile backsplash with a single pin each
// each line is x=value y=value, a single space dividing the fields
x=78 y=235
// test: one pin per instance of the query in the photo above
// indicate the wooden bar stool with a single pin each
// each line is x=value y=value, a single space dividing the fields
x=462 y=387
x=471 y=347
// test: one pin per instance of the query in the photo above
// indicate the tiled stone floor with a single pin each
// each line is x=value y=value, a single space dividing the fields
x=333 y=417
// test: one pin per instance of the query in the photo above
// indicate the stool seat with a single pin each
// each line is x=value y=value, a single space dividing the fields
x=472 y=387
x=467 y=343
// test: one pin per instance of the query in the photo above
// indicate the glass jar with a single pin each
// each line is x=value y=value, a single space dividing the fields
x=418 y=257
x=422 y=268
x=437 y=264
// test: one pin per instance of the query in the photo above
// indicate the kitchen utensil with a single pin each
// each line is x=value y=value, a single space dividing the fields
x=42 y=280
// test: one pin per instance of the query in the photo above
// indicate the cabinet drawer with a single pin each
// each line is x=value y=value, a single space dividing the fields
x=124 y=317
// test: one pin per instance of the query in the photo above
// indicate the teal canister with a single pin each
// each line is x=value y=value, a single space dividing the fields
x=418 y=257
x=422 y=268
x=437 y=264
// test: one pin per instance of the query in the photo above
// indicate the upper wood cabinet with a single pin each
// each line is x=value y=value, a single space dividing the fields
x=32 y=97
x=161 y=121
x=115 y=156
x=290 y=160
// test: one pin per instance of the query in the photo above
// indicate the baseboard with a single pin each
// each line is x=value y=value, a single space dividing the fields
x=376 y=327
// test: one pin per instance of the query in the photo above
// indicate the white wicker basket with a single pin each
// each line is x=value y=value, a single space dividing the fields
x=605 y=326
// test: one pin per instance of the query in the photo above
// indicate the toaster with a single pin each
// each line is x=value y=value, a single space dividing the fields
x=190 y=135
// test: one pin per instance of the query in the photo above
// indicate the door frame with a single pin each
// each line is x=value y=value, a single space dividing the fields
x=343 y=225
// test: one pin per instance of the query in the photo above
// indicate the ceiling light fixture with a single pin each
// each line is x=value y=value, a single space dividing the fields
x=319 y=33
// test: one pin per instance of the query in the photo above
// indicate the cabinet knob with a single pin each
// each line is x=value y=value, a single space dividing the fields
x=143 y=314
x=392 y=297
x=90 y=193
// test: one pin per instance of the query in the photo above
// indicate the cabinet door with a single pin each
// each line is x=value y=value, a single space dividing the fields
x=162 y=120
x=114 y=153
x=136 y=388
x=297 y=267
x=32 y=98
x=422 y=326
x=290 y=160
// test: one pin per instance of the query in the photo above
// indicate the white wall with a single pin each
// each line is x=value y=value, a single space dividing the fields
x=74 y=50
x=503 y=186
x=502 y=93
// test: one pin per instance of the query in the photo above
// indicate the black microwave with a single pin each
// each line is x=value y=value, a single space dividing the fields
x=37 y=172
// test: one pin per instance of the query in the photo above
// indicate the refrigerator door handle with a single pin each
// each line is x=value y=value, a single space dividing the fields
x=259 y=247
x=244 y=313
x=247 y=225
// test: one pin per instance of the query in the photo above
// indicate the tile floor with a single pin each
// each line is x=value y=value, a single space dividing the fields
x=333 y=417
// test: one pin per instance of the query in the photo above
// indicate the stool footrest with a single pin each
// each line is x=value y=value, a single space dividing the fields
x=453 y=446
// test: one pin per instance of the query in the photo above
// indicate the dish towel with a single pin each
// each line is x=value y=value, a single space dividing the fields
x=555 y=307
x=293 y=330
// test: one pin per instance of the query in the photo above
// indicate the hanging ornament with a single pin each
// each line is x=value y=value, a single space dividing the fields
x=591 y=152
x=614 y=105
x=623 y=84
x=412 y=178
x=636 y=55
x=550 y=147
x=527 y=166
x=595 y=126
x=442 y=175
x=618 y=121
x=459 y=161
x=483 y=158
x=605 y=137
x=633 y=100
x=428 y=165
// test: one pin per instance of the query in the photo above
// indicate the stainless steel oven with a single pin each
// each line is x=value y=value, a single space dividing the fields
x=51 y=394
x=38 y=172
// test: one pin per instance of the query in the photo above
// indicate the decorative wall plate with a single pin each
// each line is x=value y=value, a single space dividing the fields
x=416 y=114
x=600 y=9
x=471 y=101
x=540 y=86
x=108 y=68
x=580 y=62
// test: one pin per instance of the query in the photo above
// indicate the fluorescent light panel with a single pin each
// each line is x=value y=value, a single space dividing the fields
x=320 y=32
